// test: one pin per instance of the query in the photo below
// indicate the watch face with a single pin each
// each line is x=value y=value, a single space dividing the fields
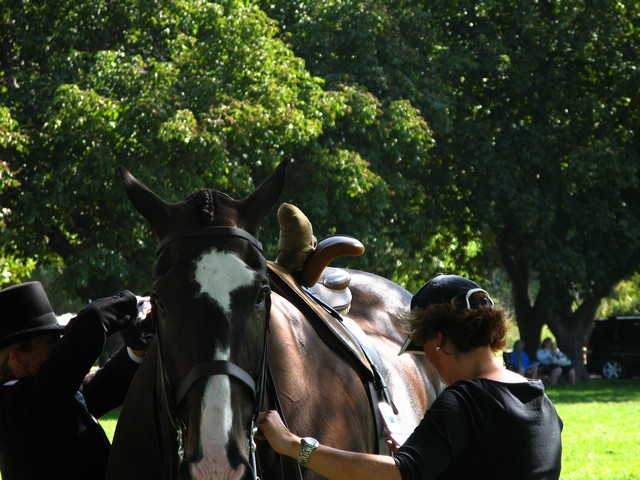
x=312 y=442
x=308 y=445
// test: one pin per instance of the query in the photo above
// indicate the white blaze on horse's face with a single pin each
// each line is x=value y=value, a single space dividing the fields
x=217 y=420
x=219 y=273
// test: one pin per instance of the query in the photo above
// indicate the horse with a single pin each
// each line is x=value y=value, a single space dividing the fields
x=227 y=345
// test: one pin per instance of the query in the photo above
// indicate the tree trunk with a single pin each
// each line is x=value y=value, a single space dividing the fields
x=572 y=333
x=530 y=318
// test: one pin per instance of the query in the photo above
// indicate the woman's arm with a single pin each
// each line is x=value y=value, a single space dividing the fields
x=329 y=462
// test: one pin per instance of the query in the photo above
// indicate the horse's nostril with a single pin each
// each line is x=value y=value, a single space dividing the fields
x=235 y=455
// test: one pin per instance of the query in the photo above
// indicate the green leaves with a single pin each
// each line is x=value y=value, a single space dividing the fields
x=187 y=95
x=447 y=136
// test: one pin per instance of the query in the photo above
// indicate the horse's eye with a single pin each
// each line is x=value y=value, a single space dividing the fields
x=262 y=296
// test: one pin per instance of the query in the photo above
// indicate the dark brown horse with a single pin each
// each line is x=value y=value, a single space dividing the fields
x=190 y=410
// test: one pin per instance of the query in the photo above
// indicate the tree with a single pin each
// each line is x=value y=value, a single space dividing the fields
x=187 y=95
x=383 y=47
x=546 y=118
x=12 y=268
x=624 y=299
x=534 y=108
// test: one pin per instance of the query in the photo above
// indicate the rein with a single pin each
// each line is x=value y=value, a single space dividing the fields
x=172 y=397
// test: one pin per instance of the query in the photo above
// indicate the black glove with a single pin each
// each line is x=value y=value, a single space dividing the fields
x=139 y=336
x=116 y=313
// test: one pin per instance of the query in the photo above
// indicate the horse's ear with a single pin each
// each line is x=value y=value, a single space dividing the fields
x=261 y=201
x=150 y=205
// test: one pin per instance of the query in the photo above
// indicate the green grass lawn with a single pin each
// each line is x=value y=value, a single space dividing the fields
x=601 y=437
x=108 y=422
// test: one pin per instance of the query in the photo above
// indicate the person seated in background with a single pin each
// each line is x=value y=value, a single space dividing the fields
x=48 y=402
x=555 y=363
x=519 y=361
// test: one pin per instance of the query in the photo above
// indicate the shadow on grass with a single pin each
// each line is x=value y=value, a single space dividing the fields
x=596 y=390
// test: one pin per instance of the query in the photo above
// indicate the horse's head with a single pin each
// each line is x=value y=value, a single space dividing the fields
x=211 y=303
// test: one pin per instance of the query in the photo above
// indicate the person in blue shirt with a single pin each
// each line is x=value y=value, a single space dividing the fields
x=520 y=362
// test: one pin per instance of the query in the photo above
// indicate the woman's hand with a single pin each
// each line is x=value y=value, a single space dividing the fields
x=272 y=429
x=393 y=445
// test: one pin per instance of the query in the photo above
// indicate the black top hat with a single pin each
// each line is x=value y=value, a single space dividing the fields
x=445 y=289
x=25 y=312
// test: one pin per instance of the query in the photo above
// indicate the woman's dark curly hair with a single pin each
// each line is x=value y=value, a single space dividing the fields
x=466 y=328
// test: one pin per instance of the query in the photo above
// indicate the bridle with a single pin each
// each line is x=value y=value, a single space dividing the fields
x=172 y=397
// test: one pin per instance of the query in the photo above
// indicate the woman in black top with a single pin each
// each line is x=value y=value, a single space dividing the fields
x=48 y=404
x=488 y=420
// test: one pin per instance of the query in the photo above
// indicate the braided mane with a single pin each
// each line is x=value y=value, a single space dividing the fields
x=209 y=203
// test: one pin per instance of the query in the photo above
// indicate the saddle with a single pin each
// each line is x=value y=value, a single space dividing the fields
x=307 y=260
x=322 y=294
x=328 y=284
x=332 y=288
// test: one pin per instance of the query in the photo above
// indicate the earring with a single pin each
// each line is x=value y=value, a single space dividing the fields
x=438 y=348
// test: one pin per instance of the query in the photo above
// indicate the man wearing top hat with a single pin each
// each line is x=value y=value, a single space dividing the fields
x=48 y=403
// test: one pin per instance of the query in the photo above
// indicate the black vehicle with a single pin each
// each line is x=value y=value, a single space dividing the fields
x=614 y=347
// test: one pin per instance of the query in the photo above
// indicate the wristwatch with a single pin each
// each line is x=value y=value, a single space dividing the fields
x=308 y=445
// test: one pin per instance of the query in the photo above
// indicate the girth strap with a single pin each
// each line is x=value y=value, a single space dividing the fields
x=209 y=369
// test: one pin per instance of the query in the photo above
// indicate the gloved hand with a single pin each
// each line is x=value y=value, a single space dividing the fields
x=116 y=313
x=139 y=336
